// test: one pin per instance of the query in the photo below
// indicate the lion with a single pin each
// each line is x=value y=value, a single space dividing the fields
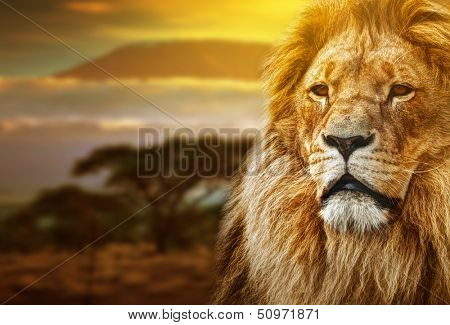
x=345 y=200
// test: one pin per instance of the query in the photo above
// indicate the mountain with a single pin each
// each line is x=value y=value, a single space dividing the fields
x=196 y=59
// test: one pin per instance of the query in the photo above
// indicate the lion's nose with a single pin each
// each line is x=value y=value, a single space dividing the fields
x=347 y=145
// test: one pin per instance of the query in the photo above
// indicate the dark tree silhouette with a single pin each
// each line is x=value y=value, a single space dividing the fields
x=163 y=175
x=180 y=186
x=68 y=217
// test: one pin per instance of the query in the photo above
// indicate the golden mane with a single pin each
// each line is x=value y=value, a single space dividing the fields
x=274 y=248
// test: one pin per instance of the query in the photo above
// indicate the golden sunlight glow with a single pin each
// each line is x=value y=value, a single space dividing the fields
x=250 y=20
x=96 y=27
x=90 y=7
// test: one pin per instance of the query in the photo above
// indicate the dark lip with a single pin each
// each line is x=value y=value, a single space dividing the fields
x=350 y=183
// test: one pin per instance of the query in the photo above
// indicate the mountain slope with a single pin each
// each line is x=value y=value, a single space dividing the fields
x=197 y=59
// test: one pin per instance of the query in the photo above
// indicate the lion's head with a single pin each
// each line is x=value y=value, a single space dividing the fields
x=368 y=104
x=349 y=203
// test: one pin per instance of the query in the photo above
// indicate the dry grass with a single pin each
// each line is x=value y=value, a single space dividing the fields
x=123 y=274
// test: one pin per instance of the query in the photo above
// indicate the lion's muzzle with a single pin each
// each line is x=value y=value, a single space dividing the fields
x=350 y=183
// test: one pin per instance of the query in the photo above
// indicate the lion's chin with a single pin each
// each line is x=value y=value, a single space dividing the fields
x=353 y=211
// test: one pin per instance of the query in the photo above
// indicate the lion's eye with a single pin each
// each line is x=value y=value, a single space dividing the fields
x=320 y=90
x=400 y=90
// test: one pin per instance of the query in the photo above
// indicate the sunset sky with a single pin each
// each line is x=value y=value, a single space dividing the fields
x=48 y=123
x=95 y=27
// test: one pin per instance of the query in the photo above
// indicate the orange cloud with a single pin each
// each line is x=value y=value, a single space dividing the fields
x=90 y=7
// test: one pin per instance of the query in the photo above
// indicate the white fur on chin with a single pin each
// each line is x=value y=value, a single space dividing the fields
x=347 y=210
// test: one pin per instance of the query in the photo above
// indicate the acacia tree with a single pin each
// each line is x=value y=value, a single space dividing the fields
x=178 y=167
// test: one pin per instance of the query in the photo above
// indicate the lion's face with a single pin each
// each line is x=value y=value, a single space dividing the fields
x=358 y=138
x=368 y=115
